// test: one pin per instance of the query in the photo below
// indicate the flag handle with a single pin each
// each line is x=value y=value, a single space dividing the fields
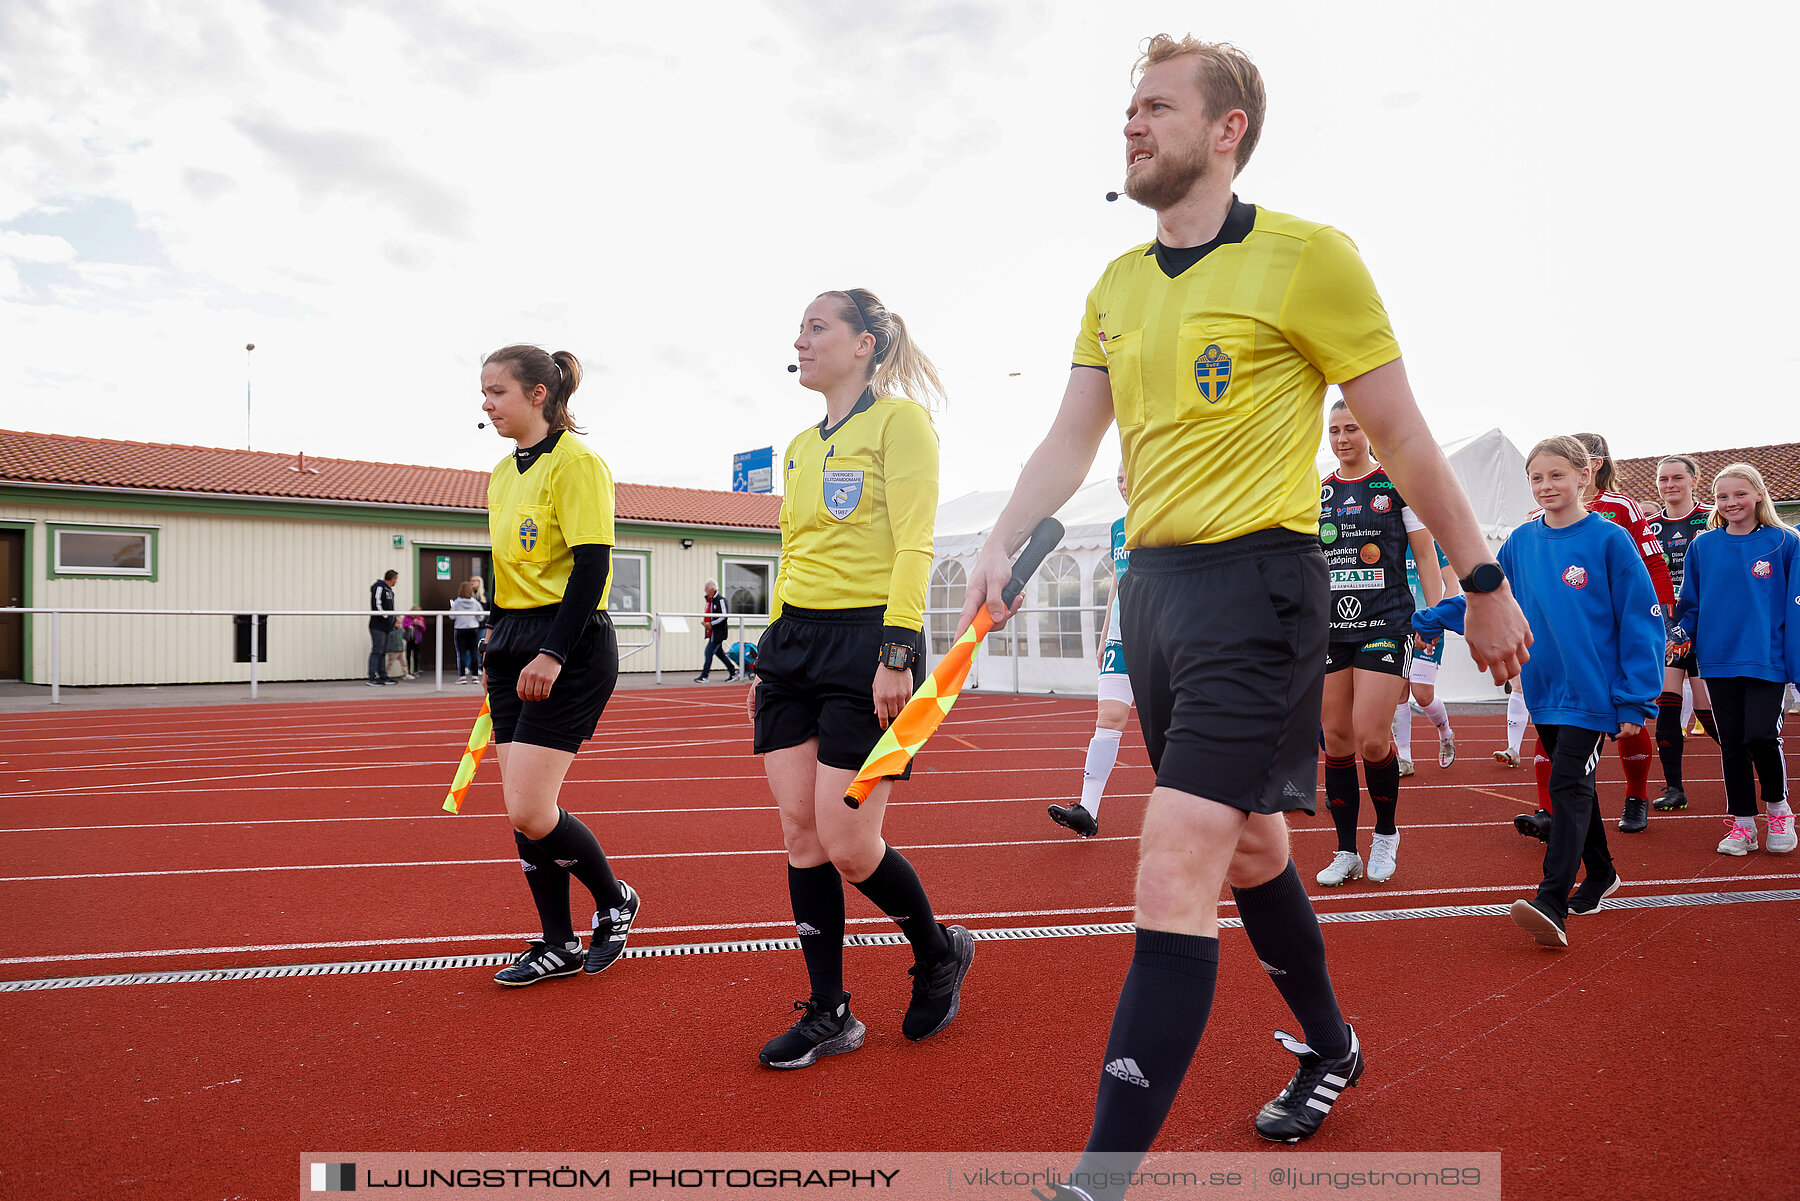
x=479 y=737
x=1043 y=540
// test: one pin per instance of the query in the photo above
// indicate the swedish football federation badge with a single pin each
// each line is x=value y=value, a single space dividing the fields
x=843 y=492
x=528 y=534
x=1212 y=373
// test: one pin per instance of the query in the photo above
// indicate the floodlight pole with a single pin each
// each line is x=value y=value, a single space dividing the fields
x=248 y=347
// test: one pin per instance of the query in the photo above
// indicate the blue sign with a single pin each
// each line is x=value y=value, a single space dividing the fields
x=753 y=470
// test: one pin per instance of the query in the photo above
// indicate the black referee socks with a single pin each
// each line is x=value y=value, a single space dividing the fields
x=896 y=891
x=1162 y=1012
x=1284 y=932
x=573 y=845
x=549 y=884
x=817 y=894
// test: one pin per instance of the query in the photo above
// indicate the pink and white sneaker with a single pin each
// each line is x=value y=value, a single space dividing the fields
x=1741 y=840
x=1781 y=838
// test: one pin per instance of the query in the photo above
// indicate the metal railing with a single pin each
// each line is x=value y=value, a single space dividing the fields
x=55 y=615
x=1020 y=630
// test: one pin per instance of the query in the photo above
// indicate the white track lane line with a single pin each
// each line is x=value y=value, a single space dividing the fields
x=663 y=950
x=764 y=807
x=782 y=923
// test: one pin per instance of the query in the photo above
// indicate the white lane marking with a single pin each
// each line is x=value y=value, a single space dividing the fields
x=440 y=963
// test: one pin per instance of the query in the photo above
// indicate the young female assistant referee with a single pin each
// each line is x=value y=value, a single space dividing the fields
x=842 y=655
x=552 y=658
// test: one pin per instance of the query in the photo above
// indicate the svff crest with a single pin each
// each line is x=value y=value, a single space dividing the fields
x=528 y=534
x=1212 y=373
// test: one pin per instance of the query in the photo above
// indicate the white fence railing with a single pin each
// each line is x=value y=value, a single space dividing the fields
x=1027 y=630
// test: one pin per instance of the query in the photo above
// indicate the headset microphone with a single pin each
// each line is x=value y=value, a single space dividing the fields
x=793 y=367
x=1111 y=196
x=481 y=425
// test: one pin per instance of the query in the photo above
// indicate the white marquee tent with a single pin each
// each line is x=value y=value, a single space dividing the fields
x=1056 y=650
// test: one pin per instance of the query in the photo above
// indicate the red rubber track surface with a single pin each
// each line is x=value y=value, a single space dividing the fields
x=1647 y=1060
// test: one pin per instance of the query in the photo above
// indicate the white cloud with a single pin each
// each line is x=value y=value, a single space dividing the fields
x=377 y=194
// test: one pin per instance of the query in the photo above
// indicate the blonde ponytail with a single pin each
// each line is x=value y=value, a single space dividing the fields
x=898 y=367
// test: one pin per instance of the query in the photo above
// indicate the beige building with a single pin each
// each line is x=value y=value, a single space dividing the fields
x=90 y=523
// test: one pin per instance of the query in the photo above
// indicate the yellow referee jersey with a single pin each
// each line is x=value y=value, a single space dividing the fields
x=857 y=510
x=1218 y=373
x=563 y=499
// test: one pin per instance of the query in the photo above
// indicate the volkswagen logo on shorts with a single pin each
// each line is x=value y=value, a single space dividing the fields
x=1349 y=608
x=528 y=533
x=1575 y=577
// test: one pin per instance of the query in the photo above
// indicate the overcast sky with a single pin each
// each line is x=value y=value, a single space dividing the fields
x=1579 y=215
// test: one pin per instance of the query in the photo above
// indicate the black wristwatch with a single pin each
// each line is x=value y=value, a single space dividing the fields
x=1487 y=577
x=899 y=656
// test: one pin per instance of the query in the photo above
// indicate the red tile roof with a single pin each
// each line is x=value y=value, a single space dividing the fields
x=102 y=463
x=1779 y=464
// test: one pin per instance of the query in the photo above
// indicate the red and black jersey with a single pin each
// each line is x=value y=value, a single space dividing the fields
x=1363 y=525
x=1621 y=510
x=1675 y=533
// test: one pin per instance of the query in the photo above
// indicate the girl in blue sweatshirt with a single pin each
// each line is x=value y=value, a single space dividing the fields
x=1739 y=613
x=1594 y=673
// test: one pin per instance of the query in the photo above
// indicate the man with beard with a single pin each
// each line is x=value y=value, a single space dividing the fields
x=1212 y=347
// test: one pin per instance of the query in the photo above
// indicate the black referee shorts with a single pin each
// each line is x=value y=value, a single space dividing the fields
x=567 y=717
x=1227 y=659
x=816 y=671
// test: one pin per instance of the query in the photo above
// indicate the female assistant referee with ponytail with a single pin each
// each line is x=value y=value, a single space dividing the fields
x=552 y=657
x=842 y=655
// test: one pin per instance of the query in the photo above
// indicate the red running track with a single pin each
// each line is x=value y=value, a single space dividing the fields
x=1649 y=1059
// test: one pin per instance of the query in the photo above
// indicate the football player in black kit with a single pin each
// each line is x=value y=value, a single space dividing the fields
x=1681 y=520
x=1364 y=529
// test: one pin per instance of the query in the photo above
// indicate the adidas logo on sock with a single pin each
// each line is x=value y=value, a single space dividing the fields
x=567 y=862
x=530 y=867
x=806 y=929
x=1271 y=968
x=1127 y=1070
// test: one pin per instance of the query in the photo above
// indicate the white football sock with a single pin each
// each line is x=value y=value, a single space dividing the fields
x=1517 y=718
x=1103 y=752
x=1403 y=729
x=1440 y=716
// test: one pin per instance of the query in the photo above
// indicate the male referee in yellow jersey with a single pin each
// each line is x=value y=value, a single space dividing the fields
x=1212 y=347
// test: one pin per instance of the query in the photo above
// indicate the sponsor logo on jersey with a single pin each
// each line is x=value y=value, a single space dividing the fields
x=528 y=534
x=1370 y=553
x=1382 y=504
x=1761 y=569
x=1212 y=373
x=843 y=492
x=1575 y=577
x=1379 y=484
x=1380 y=644
x=1327 y=492
x=1349 y=510
x=1357 y=579
x=1328 y=533
x=1348 y=608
